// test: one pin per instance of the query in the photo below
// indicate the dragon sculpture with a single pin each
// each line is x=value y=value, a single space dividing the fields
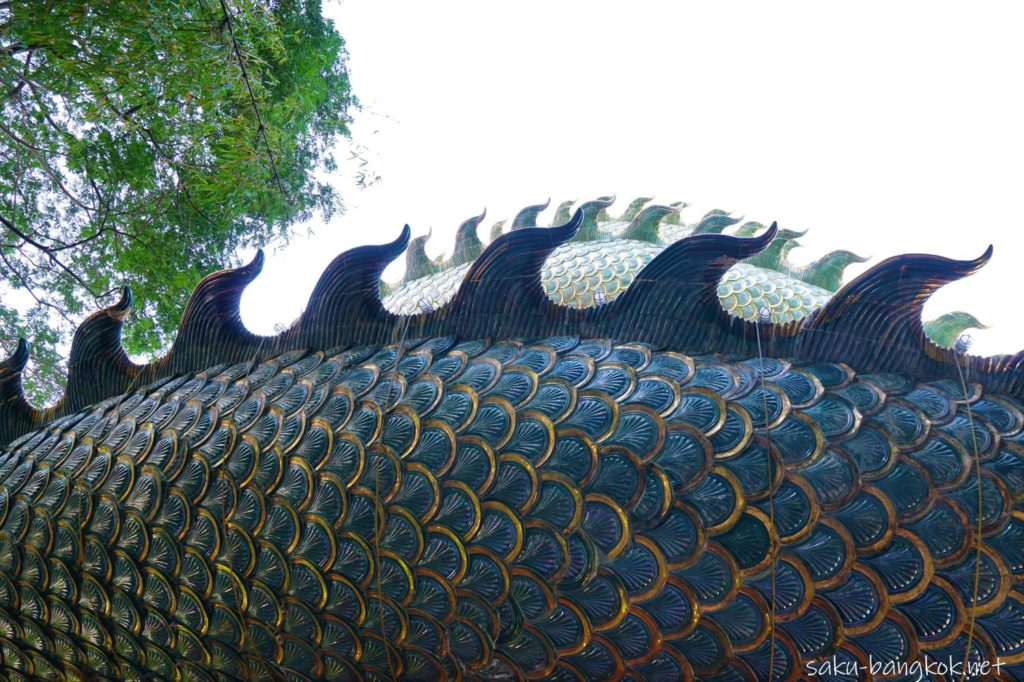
x=608 y=449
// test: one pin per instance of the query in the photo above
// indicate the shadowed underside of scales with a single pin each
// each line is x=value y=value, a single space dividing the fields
x=507 y=488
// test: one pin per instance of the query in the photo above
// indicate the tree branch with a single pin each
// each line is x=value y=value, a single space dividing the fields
x=252 y=97
x=49 y=254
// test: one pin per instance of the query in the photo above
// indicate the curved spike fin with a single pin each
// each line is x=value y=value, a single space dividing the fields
x=467 y=243
x=346 y=300
x=714 y=222
x=496 y=229
x=98 y=365
x=749 y=229
x=675 y=218
x=827 y=271
x=527 y=216
x=562 y=215
x=502 y=292
x=211 y=329
x=16 y=415
x=775 y=257
x=588 y=230
x=417 y=263
x=634 y=208
x=946 y=329
x=644 y=226
x=675 y=296
x=874 y=322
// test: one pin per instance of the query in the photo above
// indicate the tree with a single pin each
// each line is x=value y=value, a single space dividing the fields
x=143 y=143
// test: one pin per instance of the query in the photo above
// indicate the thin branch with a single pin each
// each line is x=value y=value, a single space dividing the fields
x=252 y=97
x=13 y=92
x=49 y=253
x=31 y=292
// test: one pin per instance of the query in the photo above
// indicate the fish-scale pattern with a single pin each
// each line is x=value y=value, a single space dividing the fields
x=745 y=289
x=585 y=274
x=558 y=509
x=426 y=293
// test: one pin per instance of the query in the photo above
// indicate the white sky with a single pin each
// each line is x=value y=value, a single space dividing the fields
x=884 y=128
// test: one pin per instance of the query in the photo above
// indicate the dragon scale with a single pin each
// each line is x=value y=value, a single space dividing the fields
x=503 y=487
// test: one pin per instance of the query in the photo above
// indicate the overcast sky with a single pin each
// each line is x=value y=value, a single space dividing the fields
x=884 y=128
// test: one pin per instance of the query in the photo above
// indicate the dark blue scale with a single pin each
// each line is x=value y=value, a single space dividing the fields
x=756 y=469
x=684 y=456
x=1004 y=416
x=995 y=506
x=679 y=536
x=639 y=431
x=801 y=388
x=700 y=409
x=831 y=375
x=860 y=599
x=706 y=648
x=595 y=349
x=975 y=437
x=474 y=464
x=748 y=541
x=714 y=376
x=417 y=492
x=1008 y=466
x=544 y=551
x=937 y=614
x=575 y=369
x=635 y=637
x=1009 y=544
x=539 y=359
x=677 y=368
x=601 y=599
x=873 y=451
x=766 y=405
x=798 y=440
x=906 y=425
x=423 y=394
x=794 y=510
x=448 y=367
x=574 y=455
x=1005 y=626
x=616 y=380
x=635 y=356
x=792 y=588
x=734 y=434
x=564 y=627
x=833 y=477
x=533 y=437
x=598 y=661
x=766 y=663
x=641 y=568
x=596 y=415
x=715 y=499
x=944 y=459
x=908 y=488
x=824 y=553
x=515 y=385
x=816 y=632
x=901 y=566
x=867 y=519
x=481 y=374
x=986 y=569
x=743 y=620
x=835 y=417
x=555 y=399
x=515 y=483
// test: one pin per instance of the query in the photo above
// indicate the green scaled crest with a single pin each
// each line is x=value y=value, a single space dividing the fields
x=507 y=290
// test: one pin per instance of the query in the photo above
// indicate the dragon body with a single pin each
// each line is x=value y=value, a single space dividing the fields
x=499 y=485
